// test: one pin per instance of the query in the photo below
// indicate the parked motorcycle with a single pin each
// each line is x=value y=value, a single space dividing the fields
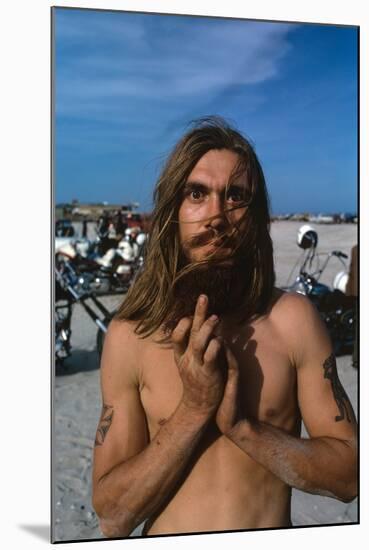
x=79 y=279
x=336 y=309
x=71 y=288
x=109 y=274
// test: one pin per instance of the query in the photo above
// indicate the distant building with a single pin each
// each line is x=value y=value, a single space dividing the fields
x=78 y=211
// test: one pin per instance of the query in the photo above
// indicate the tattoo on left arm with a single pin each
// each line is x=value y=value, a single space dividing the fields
x=330 y=372
x=105 y=422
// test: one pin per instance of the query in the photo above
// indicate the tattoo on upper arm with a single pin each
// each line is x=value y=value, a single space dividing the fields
x=330 y=372
x=105 y=422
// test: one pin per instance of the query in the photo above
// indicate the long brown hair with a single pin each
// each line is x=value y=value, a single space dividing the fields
x=149 y=299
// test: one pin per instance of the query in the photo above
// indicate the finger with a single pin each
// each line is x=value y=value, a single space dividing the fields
x=200 y=313
x=213 y=351
x=179 y=337
x=232 y=387
x=200 y=339
x=233 y=368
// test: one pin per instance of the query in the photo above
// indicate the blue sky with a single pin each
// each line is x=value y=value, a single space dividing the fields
x=128 y=84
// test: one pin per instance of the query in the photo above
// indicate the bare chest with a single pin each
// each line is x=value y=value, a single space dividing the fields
x=267 y=379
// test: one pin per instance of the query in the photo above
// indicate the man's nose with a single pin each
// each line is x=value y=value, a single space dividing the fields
x=216 y=215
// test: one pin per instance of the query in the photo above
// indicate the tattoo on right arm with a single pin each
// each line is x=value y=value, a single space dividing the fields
x=343 y=404
x=106 y=420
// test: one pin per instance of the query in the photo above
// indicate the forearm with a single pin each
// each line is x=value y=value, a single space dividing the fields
x=323 y=465
x=132 y=491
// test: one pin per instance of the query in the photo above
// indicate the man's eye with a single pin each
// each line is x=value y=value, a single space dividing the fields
x=196 y=194
x=235 y=196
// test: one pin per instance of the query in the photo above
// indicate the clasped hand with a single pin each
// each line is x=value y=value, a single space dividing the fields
x=207 y=367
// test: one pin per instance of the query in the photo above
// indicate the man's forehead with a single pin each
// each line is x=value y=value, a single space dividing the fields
x=219 y=165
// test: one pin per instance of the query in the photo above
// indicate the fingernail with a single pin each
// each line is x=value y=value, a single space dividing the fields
x=202 y=298
x=214 y=318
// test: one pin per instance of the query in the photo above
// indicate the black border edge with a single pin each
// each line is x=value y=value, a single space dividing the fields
x=358 y=266
x=139 y=12
x=52 y=277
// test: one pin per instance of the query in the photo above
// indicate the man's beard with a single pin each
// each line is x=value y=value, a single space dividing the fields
x=224 y=283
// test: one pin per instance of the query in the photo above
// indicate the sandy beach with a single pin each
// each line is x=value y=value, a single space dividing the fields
x=77 y=403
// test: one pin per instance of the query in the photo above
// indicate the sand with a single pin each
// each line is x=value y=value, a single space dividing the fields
x=77 y=404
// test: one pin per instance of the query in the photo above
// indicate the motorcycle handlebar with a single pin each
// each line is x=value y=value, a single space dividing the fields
x=339 y=254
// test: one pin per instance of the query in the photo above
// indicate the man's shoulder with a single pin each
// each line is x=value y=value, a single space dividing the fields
x=122 y=330
x=126 y=352
x=290 y=304
x=121 y=353
x=298 y=322
x=286 y=308
x=292 y=310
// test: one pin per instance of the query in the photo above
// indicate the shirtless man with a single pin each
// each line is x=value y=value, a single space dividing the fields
x=208 y=369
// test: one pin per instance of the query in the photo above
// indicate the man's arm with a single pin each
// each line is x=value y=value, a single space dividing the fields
x=326 y=463
x=133 y=477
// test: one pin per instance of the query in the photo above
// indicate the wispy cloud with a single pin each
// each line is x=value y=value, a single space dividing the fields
x=105 y=58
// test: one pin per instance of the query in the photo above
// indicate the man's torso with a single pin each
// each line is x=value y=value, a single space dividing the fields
x=222 y=487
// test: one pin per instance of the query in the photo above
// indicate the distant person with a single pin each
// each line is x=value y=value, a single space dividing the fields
x=121 y=224
x=59 y=229
x=352 y=290
x=107 y=234
x=84 y=229
x=129 y=220
x=103 y=225
x=208 y=369
x=112 y=233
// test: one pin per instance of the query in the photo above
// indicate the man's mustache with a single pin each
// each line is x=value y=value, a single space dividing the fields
x=210 y=236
